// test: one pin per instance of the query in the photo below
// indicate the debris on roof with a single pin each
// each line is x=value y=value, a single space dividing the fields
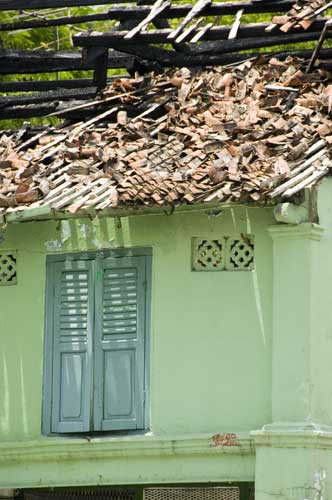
x=255 y=132
x=145 y=37
x=302 y=14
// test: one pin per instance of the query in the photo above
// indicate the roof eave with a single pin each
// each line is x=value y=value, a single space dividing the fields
x=46 y=213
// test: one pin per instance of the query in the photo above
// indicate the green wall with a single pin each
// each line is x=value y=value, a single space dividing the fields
x=210 y=331
x=321 y=315
x=210 y=355
x=212 y=366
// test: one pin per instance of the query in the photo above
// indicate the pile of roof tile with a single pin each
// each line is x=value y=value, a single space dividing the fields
x=302 y=14
x=257 y=132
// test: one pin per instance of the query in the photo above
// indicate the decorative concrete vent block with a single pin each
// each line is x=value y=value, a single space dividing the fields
x=8 y=268
x=193 y=493
x=229 y=253
x=209 y=255
x=240 y=253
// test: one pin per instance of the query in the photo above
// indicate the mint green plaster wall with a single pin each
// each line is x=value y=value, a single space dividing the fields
x=210 y=337
x=298 y=470
x=210 y=331
x=321 y=314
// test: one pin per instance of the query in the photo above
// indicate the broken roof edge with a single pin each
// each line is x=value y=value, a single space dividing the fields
x=46 y=213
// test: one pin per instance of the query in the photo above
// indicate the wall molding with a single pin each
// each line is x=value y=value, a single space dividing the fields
x=294 y=435
x=56 y=448
x=306 y=230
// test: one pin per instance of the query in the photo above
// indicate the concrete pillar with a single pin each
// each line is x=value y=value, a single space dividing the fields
x=294 y=451
x=293 y=465
x=293 y=321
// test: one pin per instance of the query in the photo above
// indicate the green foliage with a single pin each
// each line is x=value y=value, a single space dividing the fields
x=53 y=38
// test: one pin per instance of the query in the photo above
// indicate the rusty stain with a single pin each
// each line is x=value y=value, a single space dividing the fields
x=225 y=440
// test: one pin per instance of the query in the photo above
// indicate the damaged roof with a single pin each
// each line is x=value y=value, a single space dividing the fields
x=302 y=14
x=135 y=36
x=255 y=132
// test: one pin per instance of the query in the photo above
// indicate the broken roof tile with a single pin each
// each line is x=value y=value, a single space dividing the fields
x=241 y=143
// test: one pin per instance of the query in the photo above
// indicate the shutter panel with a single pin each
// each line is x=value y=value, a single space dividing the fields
x=120 y=344
x=72 y=346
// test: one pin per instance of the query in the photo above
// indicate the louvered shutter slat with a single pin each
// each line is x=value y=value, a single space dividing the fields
x=120 y=344
x=72 y=346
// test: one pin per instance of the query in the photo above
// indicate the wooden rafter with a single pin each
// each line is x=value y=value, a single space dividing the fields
x=41 y=61
x=153 y=34
x=139 y=13
x=43 y=97
x=58 y=21
x=46 y=85
x=52 y=4
x=214 y=33
x=194 y=12
x=156 y=10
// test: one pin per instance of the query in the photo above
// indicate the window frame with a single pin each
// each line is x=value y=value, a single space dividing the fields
x=47 y=365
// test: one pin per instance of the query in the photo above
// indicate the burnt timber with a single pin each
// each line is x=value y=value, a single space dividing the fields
x=147 y=36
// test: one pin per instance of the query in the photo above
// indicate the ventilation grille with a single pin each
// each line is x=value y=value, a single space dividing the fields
x=229 y=253
x=210 y=493
x=8 y=272
x=93 y=494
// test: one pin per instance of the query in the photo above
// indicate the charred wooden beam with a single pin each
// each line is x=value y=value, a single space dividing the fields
x=172 y=58
x=140 y=12
x=60 y=21
x=100 y=70
x=17 y=112
x=46 y=85
x=41 y=61
x=87 y=113
x=256 y=43
x=113 y=38
x=319 y=46
x=20 y=100
x=50 y=4
x=214 y=9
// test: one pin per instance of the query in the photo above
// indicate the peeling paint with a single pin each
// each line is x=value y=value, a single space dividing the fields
x=319 y=484
x=225 y=440
x=65 y=230
x=53 y=245
x=65 y=235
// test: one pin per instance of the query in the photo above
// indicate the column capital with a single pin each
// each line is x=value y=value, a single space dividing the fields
x=306 y=230
x=301 y=437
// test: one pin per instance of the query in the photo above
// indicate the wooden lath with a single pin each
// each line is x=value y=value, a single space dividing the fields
x=142 y=12
x=256 y=32
x=239 y=37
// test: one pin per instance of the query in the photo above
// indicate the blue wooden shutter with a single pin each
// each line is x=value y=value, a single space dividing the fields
x=72 y=346
x=119 y=344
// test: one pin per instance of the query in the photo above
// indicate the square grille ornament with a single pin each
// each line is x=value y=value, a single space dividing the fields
x=239 y=254
x=8 y=271
x=209 y=255
x=228 y=253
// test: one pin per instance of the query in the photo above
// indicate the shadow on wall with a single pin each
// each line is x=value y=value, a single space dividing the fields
x=13 y=410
